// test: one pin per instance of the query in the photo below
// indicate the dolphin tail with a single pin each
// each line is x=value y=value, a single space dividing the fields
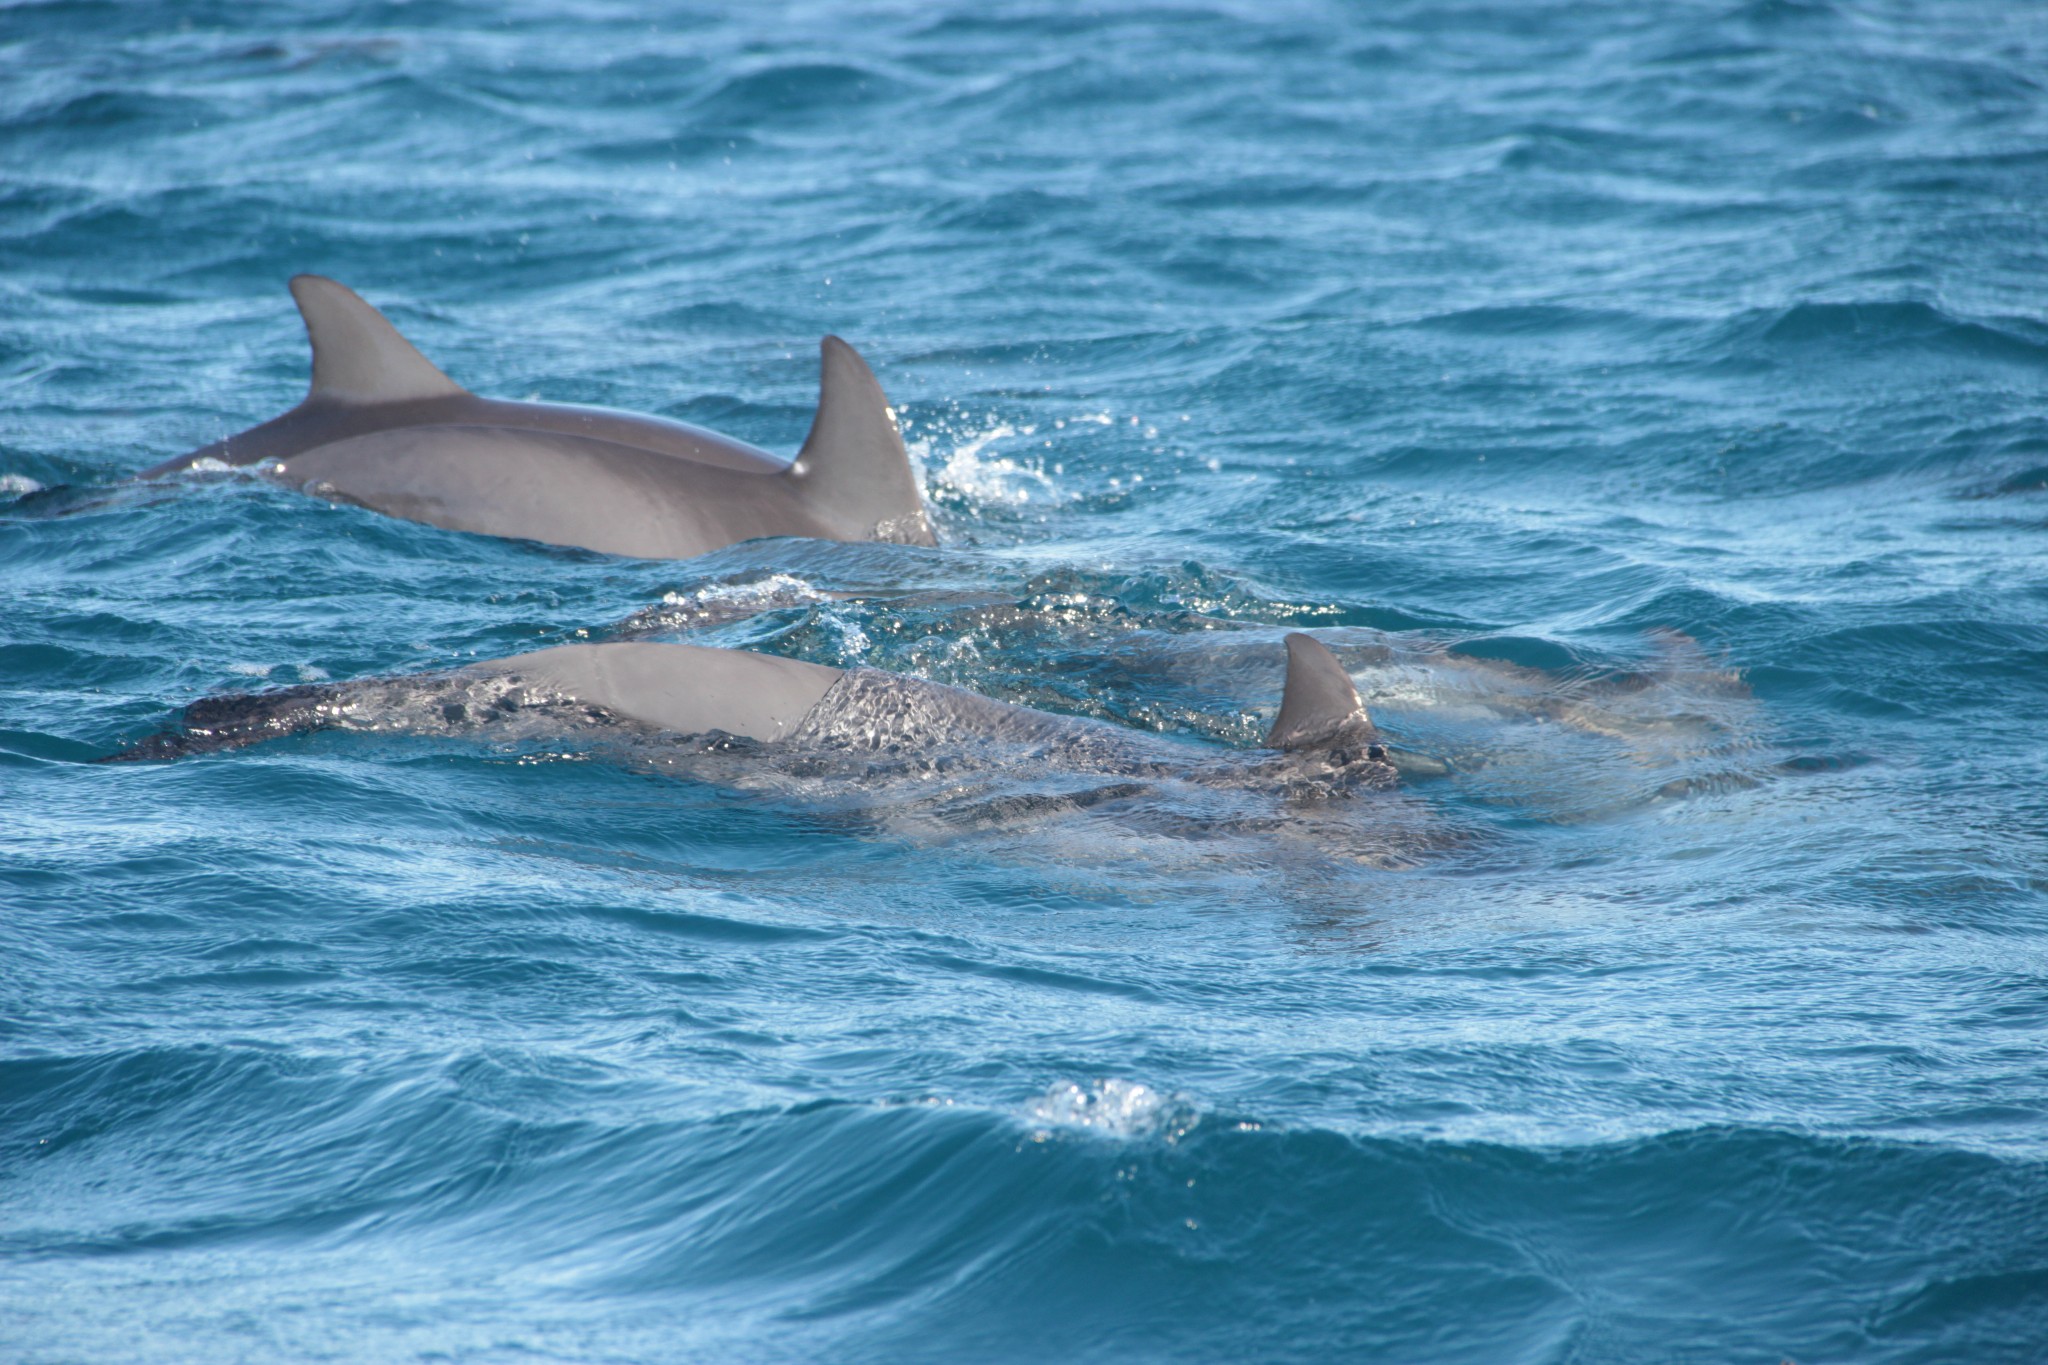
x=1319 y=706
x=853 y=469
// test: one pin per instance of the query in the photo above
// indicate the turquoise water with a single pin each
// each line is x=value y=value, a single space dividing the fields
x=1645 y=402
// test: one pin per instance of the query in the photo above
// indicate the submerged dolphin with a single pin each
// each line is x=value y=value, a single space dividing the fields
x=383 y=428
x=819 y=720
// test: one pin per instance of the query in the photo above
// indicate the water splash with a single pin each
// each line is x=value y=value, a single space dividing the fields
x=969 y=475
x=717 y=604
x=1112 y=1108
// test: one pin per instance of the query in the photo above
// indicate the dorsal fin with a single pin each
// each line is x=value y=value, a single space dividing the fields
x=358 y=356
x=854 y=470
x=1319 y=701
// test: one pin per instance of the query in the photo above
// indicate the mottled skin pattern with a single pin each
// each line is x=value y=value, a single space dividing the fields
x=869 y=731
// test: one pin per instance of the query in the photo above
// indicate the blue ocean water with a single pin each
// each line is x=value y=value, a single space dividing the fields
x=1645 y=402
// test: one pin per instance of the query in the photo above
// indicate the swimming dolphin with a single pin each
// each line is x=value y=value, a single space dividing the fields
x=857 y=721
x=382 y=427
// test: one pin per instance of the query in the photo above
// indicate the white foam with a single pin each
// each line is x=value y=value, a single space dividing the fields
x=18 y=485
x=716 y=604
x=209 y=465
x=1115 y=1108
x=853 y=641
x=775 y=590
x=306 y=672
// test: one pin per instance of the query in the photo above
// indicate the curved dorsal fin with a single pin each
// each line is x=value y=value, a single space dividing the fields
x=358 y=356
x=854 y=470
x=1319 y=699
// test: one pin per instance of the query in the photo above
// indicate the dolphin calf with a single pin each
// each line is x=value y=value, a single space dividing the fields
x=673 y=701
x=382 y=427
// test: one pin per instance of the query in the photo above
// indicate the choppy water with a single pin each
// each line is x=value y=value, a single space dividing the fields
x=1647 y=402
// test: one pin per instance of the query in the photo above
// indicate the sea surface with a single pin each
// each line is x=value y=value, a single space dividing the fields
x=1647 y=403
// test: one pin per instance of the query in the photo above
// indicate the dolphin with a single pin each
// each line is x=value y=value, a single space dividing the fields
x=676 y=700
x=383 y=428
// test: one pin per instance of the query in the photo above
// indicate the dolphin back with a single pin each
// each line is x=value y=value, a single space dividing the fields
x=673 y=689
x=382 y=427
x=681 y=689
x=360 y=363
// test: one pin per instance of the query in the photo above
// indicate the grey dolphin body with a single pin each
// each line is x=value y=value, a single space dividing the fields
x=849 y=720
x=382 y=427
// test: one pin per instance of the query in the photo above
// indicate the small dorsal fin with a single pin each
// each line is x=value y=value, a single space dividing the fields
x=358 y=356
x=1319 y=700
x=854 y=470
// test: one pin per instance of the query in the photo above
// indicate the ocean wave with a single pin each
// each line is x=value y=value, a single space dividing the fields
x=790 y=92
x=1833 y=332
x=931 y=1228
